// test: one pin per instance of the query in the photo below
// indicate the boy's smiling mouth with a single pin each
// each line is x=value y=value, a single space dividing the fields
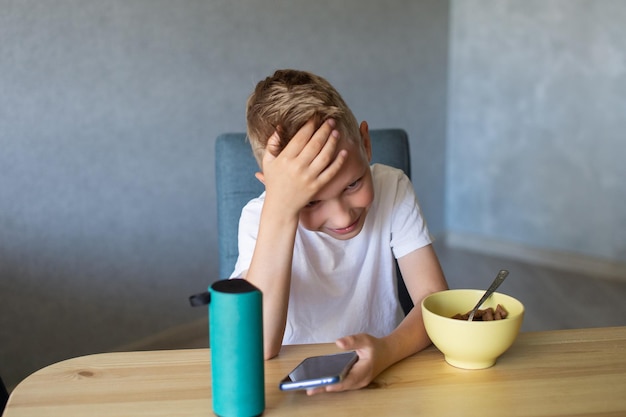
x=348 y=229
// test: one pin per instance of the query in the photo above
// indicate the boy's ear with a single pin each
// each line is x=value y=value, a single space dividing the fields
x=259 y=176
x=365 y=138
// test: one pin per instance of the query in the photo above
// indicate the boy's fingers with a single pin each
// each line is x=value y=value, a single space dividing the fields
x=273 y=144
x=329 y=172
x=345 y=343
x=309 y=141
x=315 y=391
x=323 y=137
x=327 y=154
x=271 y=150
x=300 y=140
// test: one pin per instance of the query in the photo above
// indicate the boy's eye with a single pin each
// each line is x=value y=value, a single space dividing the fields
x=354 y=185
x=312 y=204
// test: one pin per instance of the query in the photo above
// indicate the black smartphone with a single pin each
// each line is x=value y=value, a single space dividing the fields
x=318 y=371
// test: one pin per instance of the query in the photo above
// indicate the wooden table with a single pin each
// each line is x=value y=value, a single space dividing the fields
x=555 y=373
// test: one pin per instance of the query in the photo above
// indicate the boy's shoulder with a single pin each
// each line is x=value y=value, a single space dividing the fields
x=383 y=169
x=391 y=185
x=384 y=175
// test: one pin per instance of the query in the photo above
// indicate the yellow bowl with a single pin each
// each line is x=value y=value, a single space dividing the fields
x=475 y=344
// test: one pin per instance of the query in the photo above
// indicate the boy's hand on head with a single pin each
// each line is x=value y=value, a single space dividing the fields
x=294 y=175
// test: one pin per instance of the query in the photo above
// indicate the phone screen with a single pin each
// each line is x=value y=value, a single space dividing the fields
x=317 y=371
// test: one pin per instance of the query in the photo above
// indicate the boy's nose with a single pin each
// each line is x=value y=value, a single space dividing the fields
x=341 y=214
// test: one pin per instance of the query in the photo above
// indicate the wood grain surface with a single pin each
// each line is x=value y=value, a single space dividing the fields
x=551 y=373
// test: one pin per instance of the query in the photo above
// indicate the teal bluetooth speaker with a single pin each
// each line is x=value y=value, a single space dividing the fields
x=236 y=339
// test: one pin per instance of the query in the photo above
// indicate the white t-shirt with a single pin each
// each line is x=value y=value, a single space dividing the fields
x=338 y=287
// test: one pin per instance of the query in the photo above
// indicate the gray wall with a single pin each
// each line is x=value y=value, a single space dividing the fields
x=537 y=115
x=109 y=110
x=108 y=114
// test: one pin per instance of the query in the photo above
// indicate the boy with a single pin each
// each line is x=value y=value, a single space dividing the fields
x=320 y=242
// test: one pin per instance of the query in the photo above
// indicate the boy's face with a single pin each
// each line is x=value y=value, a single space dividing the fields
x=339 y=209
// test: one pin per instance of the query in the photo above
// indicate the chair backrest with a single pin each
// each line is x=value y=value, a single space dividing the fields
x=236 y=185
x=4 y=396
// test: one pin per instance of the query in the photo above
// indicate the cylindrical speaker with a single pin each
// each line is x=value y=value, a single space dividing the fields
x=236 y=338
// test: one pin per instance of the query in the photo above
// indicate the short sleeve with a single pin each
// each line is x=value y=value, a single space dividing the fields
x=247 y=234
x=408 y=228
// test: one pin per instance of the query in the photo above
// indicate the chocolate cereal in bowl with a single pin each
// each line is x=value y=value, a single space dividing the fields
x=473 y=344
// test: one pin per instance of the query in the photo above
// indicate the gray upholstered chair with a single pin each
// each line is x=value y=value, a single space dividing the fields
x=4 y=396
x=236 y=185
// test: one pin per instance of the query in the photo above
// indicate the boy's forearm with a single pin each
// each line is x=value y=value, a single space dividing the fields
x=423 y=275
x=407 y=339
x=270 y=271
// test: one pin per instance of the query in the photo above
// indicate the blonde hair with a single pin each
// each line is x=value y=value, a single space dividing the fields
x=285 y=101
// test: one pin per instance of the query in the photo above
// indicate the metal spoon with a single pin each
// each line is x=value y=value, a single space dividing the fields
x=494 y=286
